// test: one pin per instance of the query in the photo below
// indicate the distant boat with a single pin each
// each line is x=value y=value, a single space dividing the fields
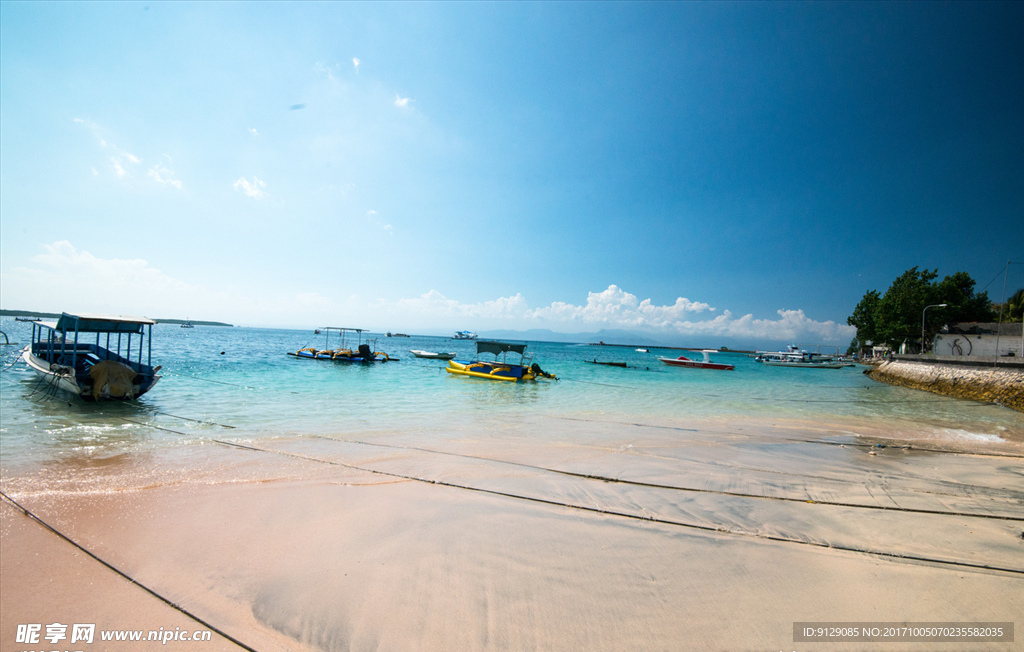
x=362 y=353
x=683 y=361
x=60 y=355
x=431 y=355
x=187 y=324
x=794 y=357
x=464 y=335
x=27 y=319
x=607 y=364
x=503 y=370
x=642 y=351
x=390 y=334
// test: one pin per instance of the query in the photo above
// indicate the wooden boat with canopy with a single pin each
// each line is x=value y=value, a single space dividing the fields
x=111 y=366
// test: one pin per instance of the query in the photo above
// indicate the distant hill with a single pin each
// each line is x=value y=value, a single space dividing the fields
x=194 y=322
x=29 y=313
x=55 y=315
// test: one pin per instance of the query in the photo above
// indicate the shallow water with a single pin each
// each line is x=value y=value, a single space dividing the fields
x=242 y=378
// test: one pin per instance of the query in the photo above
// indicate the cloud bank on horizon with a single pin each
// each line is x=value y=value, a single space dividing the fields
x=135 y=287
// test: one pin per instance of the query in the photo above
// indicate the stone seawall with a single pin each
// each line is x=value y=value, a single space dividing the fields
x=1003 y=386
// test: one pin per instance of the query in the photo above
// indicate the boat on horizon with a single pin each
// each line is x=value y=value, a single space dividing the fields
x=104 y=369
x=525 y=369
x=464 y=335
x=187 y=324
x=342 y=353
x=793 y=356
x=683 y=361
x=430 y=355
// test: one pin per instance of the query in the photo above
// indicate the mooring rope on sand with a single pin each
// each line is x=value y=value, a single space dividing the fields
x=32 y=516
x=610 y=512
x=639 y=517
x=652 y=485
x=790 y=439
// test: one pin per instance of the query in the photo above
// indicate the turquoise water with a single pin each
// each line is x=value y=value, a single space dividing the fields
x=242 y=377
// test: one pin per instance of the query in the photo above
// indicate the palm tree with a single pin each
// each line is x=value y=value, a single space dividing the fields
x=1014 y=309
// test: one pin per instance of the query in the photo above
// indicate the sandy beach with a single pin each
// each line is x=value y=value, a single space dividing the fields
x=529 y=534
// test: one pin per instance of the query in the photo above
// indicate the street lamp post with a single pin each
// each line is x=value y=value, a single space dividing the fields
x=935 y=305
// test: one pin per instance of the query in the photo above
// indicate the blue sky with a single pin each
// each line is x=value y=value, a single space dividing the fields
x=700 y=172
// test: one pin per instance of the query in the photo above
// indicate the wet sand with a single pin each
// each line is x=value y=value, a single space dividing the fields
x=547 y=533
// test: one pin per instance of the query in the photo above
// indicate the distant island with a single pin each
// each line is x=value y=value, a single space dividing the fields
x=55 y=315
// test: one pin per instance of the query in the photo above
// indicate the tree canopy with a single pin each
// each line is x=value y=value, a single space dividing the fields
x=895 y=317
x=1013 y=309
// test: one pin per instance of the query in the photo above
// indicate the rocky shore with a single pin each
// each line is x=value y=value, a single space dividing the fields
x=1002 y=386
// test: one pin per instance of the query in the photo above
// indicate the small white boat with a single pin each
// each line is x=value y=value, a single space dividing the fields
x=432 y=355
x=683 y=361
x=641 y=350
x=464 y=335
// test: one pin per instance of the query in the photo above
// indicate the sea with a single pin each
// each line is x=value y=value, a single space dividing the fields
x=240 y=383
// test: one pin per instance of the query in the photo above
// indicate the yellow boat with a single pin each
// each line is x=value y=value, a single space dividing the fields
x=503 y=370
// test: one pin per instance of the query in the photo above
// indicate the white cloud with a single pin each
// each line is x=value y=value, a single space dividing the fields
x=161 y=174
x=327 y=69
x=372 y=215
x=119 y=159
x=252 y=130
x=622 y=309
x=402 y=101
x=355 y=64
x=72 y=279
x=66 y=278
x=614 y=309
x=254 y=189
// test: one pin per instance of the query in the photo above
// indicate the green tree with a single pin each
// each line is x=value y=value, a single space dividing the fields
x=863 y=318
x=895 y=317
x=1014 y=308
x=899 y=310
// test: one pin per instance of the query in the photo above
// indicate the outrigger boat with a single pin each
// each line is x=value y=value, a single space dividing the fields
x=706 y=363
x=362 y=353
x=503 y=370
x=430 y=355
x=107 y=368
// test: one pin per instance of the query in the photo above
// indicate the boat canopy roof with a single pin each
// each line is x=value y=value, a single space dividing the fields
x=340 y=329
x=90 y=323
x=497 y=348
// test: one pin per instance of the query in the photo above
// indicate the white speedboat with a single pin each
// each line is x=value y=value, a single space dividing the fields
x=110 y=367
x=706 y=363
x=794 y=357
x=432 y=355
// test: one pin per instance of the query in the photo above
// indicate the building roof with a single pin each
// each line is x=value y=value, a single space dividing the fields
x=981 y=328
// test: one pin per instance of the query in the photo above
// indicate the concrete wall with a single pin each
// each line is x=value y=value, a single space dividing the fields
x=977 y=345
x=1002 y=386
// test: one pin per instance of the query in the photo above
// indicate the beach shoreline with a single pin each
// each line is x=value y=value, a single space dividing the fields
x=719 y=536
